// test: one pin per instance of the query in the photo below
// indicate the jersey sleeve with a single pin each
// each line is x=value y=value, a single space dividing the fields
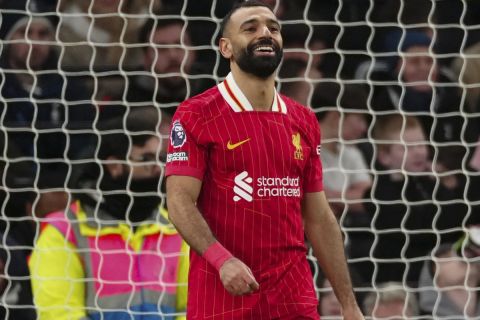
x=186 y=153
x=313 y=177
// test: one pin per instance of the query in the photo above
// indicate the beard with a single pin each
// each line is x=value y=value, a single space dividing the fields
x=263 y=66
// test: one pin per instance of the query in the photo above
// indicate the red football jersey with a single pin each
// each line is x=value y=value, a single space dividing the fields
x=255 y=167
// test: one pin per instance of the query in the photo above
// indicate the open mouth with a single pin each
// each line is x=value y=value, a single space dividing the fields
x=264 y=50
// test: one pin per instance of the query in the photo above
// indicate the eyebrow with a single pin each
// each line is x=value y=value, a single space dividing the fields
x=253 y=20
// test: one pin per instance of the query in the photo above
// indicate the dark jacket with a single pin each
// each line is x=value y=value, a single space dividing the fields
x=441 y=112
x=45 y=121
x=406 y=218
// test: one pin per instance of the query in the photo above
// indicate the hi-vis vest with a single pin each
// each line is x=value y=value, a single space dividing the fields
x=126 y=275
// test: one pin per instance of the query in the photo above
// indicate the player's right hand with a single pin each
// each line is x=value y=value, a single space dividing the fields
x=237 y=278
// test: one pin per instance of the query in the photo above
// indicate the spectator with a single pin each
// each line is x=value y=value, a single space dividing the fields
x=26 y=199
x=461 y=206
x=422 y=88
x=96 y=35
x=168 y=65
x=304 y=43
x=301 y=90
x=114 y=251
x=43 y=113
x=447 y=285
x=25 y=196
x=15 y=290
x=401 y=205
x=467 y=69
x=391 y=301
x=342 y=117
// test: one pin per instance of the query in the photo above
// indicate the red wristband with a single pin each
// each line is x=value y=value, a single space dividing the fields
x=216 y=255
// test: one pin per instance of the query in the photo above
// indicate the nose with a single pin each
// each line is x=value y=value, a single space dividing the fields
x=417 y=149
x=426 y=64
x=35 y=36
x=175 y=55
x=265 y=31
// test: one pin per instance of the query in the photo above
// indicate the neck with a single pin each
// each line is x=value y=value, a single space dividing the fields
x=259 y=92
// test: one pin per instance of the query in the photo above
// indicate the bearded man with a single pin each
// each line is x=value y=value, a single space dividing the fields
x=245 y=180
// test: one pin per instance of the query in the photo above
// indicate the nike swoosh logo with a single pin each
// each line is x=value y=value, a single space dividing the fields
x=231 y=146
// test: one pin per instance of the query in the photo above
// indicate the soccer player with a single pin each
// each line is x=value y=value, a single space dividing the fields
x=244 y=184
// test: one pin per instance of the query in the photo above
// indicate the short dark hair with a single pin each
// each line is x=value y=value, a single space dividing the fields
x=240 y=5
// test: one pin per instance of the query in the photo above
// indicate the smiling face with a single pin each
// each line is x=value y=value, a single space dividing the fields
x=252 y=41
x=169 y=57
x=411 y=154
x=418 y=67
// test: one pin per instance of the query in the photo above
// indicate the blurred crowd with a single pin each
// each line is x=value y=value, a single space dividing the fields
x=394 y=85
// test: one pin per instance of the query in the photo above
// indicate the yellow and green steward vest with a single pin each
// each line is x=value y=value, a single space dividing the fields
x=86 y=265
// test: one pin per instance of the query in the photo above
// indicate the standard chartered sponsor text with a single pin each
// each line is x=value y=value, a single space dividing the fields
x=278 y=187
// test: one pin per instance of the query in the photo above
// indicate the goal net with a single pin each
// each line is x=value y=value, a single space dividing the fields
x=393 y=83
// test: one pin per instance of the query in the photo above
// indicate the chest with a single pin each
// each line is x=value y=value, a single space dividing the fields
x=258 y=142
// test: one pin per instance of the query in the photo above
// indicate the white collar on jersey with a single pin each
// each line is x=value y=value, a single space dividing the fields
x=237 y=100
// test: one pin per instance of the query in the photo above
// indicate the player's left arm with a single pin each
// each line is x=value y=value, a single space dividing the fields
x=324 y=233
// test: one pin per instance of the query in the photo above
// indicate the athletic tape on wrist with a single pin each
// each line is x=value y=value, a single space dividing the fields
x=216 y=255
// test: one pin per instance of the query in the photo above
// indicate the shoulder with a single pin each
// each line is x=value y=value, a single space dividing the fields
x=204 y=99
x=60 y=222
x=298 y=110
x=300 y=114
x=206 y=105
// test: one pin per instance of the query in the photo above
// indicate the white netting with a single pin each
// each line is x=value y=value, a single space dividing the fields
x=404 y=74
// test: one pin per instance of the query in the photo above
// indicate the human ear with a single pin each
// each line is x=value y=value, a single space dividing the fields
x=225 y=47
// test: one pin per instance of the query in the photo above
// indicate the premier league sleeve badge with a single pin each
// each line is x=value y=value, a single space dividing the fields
x=178 y=137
